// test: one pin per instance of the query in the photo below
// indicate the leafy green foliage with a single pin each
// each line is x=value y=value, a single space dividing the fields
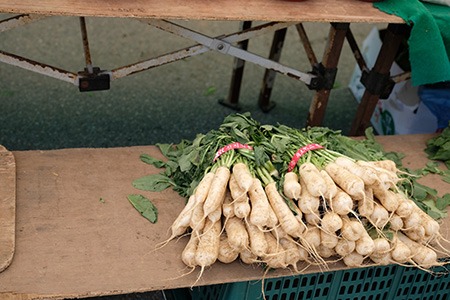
x=144 y=206
x=438 y=148
x=273 y=148
x=153 y=183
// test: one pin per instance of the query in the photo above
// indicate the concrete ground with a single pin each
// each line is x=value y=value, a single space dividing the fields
x=161 y=105
x=164 y=104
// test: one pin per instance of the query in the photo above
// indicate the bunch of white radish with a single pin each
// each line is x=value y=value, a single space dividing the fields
x=286 y=202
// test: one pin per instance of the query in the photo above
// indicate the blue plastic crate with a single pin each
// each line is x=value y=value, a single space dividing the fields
x=371 y=283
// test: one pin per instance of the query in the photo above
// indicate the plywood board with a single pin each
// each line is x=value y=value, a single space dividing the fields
x=248 y=10
x=7 y=207
x=78 y=236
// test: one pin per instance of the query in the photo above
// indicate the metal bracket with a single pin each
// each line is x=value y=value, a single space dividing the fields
x=97 y=80
x=220 y=46
x=377 y=83
x=324 y=79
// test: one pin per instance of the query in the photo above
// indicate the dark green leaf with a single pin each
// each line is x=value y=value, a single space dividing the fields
x=143 y=205
x=433 y=211
x=154 y=183
x=443 y=202
x=152 y=161
x=446 y=176
x=421 y=191
x=165 y=149
x=171 y=168
x=185 y=161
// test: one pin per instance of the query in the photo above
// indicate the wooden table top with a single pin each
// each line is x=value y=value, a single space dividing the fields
x=347 y=11
x=77 y=235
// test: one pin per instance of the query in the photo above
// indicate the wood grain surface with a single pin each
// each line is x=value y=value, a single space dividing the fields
x=251 y=10
x=78 y=236
x=7 y=207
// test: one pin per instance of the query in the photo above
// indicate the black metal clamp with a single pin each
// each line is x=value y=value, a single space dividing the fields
x=324 y=79
x=377 y=83
x=97 y=80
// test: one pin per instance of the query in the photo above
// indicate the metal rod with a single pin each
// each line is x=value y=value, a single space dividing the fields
x=401 y=77
x=157 y=61
x=19 y=20
x=224 y=47
x=87 y=53
x=36 y=67
x=194 y=50
x=355 y=50
x=306 y=44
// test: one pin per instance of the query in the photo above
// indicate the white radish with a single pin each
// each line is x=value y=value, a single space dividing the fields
x=243 y=176
x=237 y=234
x=228 y=206
x=331 y=221
x=216 y=215
x=242 y=209
x=332 y=188
x=227 y=254
x=365 y=245
x=314 y=182
x=353 y=259
x=284 y=214
x=197 y=220
x=208 y=245
x=404 y=208
x=217 y=191
x=312 y=237
x=328 y=239
x=291 y=186
x=350 y=183
x=414 y=220
x=258 y=243
x=292 y=252
x=275 y=257
x=395 y=222
x=202 y=189
x=368 y=176
x=248 y=257
x=416 y=234
x=325 y=252
x=381 y=246
x=237 y=193
x=259 y=214
x=342 y=203
x=400 y=252
x=366 y=205
x=307 y=202
x=388 y=199
x=422 y=255
x=188 y=254
x=344 y=247
x=379 y=216
x=382 y=260
x=313 y=218
x=352 y=229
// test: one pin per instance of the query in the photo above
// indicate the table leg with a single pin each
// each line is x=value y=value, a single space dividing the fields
x=269 y=76
x=378 y=77
x=327 y=68
x=236 y=78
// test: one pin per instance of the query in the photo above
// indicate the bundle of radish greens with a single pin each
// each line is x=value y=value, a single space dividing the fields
x=279 y=196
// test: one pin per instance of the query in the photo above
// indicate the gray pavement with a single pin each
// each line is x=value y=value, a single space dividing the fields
x=164 y=104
